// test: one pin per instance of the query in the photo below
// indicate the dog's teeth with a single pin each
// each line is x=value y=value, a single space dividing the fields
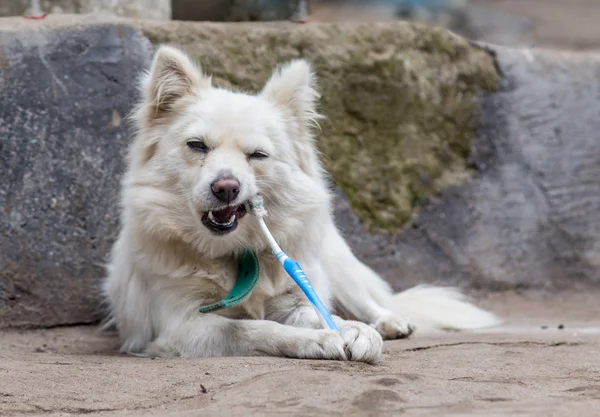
x=232 y=219
x=211 y=216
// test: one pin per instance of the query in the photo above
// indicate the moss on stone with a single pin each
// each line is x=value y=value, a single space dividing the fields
x=399 y=100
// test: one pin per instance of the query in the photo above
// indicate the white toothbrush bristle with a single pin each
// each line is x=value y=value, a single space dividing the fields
x=257 y=206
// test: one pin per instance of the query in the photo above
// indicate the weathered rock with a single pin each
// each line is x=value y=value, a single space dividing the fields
x=530 y=217
x=143 y=9
x=489 y=190
x=63 y=96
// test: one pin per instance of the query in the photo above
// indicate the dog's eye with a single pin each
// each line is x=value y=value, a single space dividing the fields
x=258 y=155
x=197 y=145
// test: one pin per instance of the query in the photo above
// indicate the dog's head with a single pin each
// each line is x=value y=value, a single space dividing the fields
x=202 y=152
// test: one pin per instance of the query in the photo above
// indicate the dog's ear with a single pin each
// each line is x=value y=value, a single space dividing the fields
x=172 y=76
x=293 y=86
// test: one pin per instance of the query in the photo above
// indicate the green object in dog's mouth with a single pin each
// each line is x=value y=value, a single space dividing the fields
x=224 y=220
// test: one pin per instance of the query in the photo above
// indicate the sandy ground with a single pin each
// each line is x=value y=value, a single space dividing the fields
x=520 y=369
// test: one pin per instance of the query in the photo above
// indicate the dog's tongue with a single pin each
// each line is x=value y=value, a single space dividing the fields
x=223 y=216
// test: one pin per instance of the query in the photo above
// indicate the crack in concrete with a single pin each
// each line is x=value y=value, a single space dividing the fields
x=525 y=343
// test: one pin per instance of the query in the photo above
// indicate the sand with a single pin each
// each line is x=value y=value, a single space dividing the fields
x=527 y=367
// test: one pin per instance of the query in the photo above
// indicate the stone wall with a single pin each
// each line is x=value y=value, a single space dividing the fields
x=64 y=94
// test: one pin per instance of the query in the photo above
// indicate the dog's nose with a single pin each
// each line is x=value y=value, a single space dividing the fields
x=225 y=189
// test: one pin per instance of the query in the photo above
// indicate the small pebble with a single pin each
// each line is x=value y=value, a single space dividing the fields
x=544 y=327
x=561 y=326
x=203 y=389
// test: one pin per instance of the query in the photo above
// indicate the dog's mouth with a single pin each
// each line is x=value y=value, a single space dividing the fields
x=225 y=220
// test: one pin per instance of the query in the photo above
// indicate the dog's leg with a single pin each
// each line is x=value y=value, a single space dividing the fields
x=359 y=292
x=294 y=309
x=206 y=335
x=362 y=294
x=362 y=342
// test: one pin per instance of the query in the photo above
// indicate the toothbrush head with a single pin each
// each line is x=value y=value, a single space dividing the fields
x=256 y=205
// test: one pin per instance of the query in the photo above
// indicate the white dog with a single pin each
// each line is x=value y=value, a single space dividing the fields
x=199 y=154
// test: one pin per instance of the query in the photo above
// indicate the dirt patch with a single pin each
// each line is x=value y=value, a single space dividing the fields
x=516 y=368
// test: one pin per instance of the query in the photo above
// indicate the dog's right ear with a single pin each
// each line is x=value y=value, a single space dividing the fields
x=172 y=77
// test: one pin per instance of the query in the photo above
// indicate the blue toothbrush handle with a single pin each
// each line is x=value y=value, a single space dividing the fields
x=295 y=271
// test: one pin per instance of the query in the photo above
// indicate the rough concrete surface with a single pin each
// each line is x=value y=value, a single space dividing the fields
x=64 y=96
x=530 y=217
x=519 y=369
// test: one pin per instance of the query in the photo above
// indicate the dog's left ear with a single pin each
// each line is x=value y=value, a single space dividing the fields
x=293 y=86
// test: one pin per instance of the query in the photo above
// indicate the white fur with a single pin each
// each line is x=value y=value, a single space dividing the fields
x=166 y=263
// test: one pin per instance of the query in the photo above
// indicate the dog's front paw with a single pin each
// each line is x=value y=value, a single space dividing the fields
x=323 y=344
x=391 y=327
x=361 y=342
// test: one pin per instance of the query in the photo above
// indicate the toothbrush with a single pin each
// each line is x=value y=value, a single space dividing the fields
x=293 y=268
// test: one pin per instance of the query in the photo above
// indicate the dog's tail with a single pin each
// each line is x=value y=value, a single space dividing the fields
x=440 y=308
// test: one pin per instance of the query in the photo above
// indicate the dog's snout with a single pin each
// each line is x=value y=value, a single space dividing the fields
x=226 y=189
